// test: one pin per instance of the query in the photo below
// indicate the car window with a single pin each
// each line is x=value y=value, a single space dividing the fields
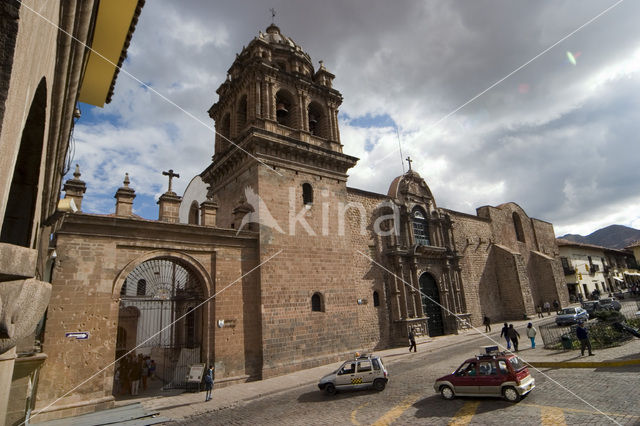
x=568 y=311
x=486 y=368
x=349 y=368
x=364 y=366
x=516 y=363
x=376 y=364
x=502 y=366
x=467 y=369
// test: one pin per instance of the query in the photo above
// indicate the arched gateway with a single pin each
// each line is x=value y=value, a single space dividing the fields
x=158 y=317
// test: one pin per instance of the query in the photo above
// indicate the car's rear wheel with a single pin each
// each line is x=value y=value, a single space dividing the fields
x=330 y=389
x=511 y=394
x=379 y=384
x=447 y=392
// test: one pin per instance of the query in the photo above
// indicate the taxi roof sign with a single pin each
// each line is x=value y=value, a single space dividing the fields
x=489 y=350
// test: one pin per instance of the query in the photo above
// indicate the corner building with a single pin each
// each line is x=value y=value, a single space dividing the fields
x=326 y=269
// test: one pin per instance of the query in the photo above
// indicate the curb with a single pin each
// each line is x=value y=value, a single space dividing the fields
x=585 y=364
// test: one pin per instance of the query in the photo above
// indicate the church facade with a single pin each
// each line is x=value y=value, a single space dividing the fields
x=270 y=262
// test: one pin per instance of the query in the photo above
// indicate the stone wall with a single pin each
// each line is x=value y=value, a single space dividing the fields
x=315 y=258
x=374 y=322
x=472 y=236
x=95 y=255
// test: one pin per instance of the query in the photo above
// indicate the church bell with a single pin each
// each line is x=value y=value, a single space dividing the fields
x=312 y=120
x=281 y=110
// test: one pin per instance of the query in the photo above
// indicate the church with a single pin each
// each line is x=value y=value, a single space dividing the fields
x=269 y=262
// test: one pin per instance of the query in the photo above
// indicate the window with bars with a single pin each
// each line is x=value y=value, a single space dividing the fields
x=420 y=228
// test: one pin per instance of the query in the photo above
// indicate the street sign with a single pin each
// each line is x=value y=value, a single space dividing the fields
x=79 y=335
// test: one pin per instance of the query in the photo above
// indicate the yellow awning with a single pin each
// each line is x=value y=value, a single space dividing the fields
x=110 y=34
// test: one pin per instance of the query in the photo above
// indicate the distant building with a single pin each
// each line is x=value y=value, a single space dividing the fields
x=270 y=263
x=588 y=268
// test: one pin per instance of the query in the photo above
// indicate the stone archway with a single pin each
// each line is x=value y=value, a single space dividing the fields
x=169 y=327
x=431 y=304
x=18 y=226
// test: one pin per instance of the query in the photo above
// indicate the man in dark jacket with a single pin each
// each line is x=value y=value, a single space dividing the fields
x=505 y=333
x=412 y=340
x=583 y=337
x=513 y=335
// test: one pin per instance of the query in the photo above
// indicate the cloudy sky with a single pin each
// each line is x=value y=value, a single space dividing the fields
x=559 y=136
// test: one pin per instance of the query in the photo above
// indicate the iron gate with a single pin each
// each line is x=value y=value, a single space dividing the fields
x=158 y=317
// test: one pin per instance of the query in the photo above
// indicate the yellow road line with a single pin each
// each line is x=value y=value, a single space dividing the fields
x=553 y=416
x=465 y=414
x=355 y=412
x=578 y=410
x=396 y=411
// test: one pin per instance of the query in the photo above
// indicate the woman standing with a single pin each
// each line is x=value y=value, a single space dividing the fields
x=531 y=334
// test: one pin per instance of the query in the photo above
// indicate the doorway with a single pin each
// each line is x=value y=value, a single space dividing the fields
x=158 y=319
x=431 y=304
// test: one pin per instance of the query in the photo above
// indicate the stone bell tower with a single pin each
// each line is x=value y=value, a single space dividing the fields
x=278 y=163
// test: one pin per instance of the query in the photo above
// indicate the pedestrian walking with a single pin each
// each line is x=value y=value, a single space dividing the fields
x=135 y=374
x=583 y=337
x=487 y=324
x=531 y=334
x=556 y=305
x=116 y=381
x=539 y=311
x=412 y=340
x=547 y=308
x=505 y=333
x=208 y=383
x=145 y=373
x=513 y=335
x=152 y=369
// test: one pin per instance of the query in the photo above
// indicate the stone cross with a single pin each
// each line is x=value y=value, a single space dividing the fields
x=273 y=15
x=409 y=160
x=171 y=176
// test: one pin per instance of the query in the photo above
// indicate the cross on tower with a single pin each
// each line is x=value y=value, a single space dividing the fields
x=409 y=160
x=273 y=15
x=171 y=176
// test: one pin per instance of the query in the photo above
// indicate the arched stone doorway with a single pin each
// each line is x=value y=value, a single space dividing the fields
x=159 y=317
x=17 y=226
x=431 y=304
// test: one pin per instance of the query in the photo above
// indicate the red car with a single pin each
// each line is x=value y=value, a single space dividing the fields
x=494 y=374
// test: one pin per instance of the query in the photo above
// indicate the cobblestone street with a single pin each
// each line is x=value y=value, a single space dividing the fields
x=590 y=396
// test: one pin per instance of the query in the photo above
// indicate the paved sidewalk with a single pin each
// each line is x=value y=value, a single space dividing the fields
x=180 y=406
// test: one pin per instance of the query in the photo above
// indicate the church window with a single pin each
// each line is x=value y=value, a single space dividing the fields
x=316 y=303
x=194 y=213
x=242 y=114
x=376 y=299
x=517 y=224
x=307 y=194
x=142 y=288
x=420 y=228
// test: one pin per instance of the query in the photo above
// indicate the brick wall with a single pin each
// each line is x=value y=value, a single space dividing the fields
x=95 y=254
